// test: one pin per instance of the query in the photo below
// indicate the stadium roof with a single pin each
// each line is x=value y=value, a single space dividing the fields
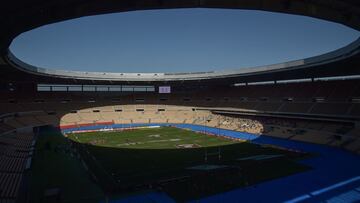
x=18 y=16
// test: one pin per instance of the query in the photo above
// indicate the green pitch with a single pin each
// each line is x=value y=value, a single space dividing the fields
x=133 y=160
x=151 y=138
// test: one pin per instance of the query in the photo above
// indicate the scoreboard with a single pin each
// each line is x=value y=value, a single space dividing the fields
x=164 y=89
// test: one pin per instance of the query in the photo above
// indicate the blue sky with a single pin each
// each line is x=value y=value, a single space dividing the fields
x=179 y=40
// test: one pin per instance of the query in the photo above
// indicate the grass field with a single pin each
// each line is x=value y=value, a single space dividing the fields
x=149 y=138
x=134 y=160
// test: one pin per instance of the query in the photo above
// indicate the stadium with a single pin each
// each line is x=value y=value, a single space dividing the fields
x=288 y=132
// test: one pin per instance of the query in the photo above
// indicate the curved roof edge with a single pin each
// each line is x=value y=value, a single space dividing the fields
x=339 y=54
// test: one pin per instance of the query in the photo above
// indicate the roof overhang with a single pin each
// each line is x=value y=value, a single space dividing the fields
x=20 y=16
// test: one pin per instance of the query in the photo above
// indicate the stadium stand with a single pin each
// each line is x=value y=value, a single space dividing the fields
x=15 y=157
x=303 y=130
x=309 y=113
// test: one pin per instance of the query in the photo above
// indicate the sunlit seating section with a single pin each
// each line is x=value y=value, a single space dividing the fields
x=88 y=117
x=112 y=116
x=134 y=114
x=70 y=118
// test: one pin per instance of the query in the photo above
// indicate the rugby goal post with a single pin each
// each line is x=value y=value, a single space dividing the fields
x=212 y=154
